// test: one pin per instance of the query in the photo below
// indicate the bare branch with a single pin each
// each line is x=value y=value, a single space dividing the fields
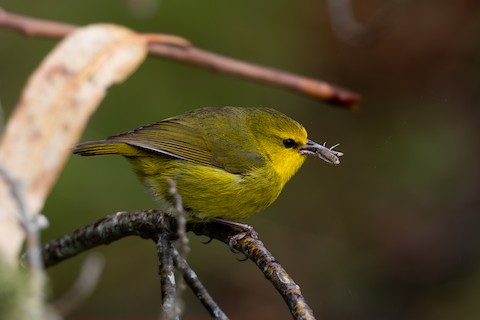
x=313 y=88
x=172 y=47
x=34 y=27
x=150 y=223
x=146 y=224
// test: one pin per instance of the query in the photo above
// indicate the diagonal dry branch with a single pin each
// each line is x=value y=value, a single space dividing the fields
x=149 y=224
x=197 y=287
x=176 y=48
x=255 y=250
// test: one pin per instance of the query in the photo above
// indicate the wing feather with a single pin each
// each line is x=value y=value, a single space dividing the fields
x=172 y=138
x=195 y=137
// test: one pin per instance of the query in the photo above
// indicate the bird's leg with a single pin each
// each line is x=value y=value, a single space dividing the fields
x=245 y=230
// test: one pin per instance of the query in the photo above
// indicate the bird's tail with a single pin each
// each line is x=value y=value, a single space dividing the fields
x=104 y=147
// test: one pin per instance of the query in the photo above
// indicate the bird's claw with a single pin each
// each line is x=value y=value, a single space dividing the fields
x=245 y=231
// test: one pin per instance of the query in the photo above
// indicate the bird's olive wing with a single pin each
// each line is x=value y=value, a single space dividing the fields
x=200 y=144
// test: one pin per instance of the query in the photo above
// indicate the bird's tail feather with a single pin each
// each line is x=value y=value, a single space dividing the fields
x=104 y=147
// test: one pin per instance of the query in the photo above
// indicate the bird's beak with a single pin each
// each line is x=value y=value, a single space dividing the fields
x=321 y=151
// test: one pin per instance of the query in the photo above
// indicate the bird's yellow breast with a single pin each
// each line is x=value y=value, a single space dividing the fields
x=210 y=192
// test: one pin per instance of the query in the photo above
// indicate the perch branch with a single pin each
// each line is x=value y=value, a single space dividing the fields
x=148 y=224
x=176 y=48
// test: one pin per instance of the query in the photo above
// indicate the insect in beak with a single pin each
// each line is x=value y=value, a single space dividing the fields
x=327 y=154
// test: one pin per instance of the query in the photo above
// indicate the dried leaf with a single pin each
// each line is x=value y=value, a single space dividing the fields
x=54 y=108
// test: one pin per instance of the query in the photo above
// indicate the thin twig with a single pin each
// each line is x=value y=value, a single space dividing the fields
x=317 y=89
x=180 y=49
x=32 y=228
x=197 y=287
x=167 y=277
x=30 y=225
x=34 y=27
x=181 y=219
x=182 y=242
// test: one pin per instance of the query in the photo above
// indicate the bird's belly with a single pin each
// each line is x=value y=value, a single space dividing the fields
x=212 y=192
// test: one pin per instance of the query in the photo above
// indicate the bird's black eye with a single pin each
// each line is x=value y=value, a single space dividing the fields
x=289 y=143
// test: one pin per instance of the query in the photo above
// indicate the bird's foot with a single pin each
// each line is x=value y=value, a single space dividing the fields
x=244 y=231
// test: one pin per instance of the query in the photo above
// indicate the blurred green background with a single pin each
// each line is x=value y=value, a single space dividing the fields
x=391 y=233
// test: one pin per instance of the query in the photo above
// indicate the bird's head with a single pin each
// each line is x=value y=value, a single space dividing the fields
x=284 y=143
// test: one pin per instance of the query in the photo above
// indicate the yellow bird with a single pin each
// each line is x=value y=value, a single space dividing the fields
x=227 y=162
